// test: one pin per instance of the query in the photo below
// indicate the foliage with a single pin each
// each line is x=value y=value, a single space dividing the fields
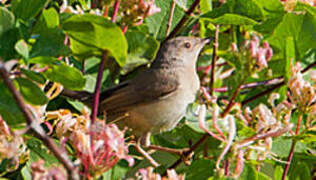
x=258 y=112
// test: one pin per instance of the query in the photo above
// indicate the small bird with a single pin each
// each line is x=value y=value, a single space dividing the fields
x=156 y=99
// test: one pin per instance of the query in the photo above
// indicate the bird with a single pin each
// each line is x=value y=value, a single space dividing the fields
x=156 y=99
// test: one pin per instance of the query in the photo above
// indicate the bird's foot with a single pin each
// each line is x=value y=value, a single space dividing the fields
x=146 y=155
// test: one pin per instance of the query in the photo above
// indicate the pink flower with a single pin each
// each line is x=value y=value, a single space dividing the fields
x=148 y=174
x=100 y=147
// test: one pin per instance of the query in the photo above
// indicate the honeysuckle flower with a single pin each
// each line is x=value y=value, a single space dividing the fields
x=148 y=174
x=98 y=146
x=135 y=11
x=252 y=55
x=12 y=146
x=303 y=94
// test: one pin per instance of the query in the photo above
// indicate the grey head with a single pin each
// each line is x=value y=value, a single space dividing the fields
x=179 y=51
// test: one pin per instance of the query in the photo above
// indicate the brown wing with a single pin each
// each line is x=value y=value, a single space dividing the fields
x=147 y=87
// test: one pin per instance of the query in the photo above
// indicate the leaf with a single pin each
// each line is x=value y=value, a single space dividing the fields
x=6 y=20
x=7 y=43
x=249 y=8
x=301 y=27
x=290 y=57
x=27 y=9
x=58 y=71
x=31 y=92
x=157 y=23
x=9 y=110
x=22 y=49
x=233 y=19
x=97 y=32
x=35 y=76
x=205 y=6
x=278 y=171
x=141 y=49
x=249 y=172
x=50 y=43
x=199 y=169
x=69 y=77
x=48 y=20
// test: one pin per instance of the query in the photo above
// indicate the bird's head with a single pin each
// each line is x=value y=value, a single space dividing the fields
x=182 y=51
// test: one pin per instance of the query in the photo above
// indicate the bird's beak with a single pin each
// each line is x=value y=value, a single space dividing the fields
x=206 y=40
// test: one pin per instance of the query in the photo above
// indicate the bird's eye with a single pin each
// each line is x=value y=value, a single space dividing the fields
x=187 y=45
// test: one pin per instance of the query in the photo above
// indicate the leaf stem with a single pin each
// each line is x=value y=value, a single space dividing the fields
x=98 y=88
x=214 y=58
x=115 y=11
x=183 y=20
x=35 y=126
x=172 y=7
x=231 y=102
x=290 y=157
x=274 y=87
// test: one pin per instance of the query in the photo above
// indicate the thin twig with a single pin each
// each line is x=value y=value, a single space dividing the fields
x=214 y=58
x=231 y=102
x=274 y=87
x=115 y=11
x=36 y=128
x=98 y=88
x=183 y=20
x=290 y=157
x=172 y=7
x=269 y=82
x=196 y=145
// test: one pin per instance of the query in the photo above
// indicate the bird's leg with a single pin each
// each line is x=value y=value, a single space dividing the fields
x=145 y=141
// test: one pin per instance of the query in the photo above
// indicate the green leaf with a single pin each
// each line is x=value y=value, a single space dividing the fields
x=69 y=77
x=199 y=169
x=289 y=57
x=141 y=49
x=49 y=19
x=35 y=76
x=157 y=23
x=249 y=8
x=27 y=9
x=249 y=172
x=278 y=171
x=39 y=151
x=97 y=32
x=205 y=6
x=31 y=92
x=6 y=20
x=9 y=110
x=7 y=43
x=50 y=43
x=22 y=49
x=58 y=71
x=301 y=27
x=233 y=19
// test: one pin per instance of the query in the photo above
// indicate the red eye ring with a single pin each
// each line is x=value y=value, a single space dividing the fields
x=187 y=45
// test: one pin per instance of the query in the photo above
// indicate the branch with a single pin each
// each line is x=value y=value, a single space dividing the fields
x=231 y=102
x=115 y=11
x=172 y=7
x=269 y=82
x=98 y=88
x=183 y=20
x=186 y=153
x=36 y=128
x=290 y=157
x=274 y=87
x=214 y=58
